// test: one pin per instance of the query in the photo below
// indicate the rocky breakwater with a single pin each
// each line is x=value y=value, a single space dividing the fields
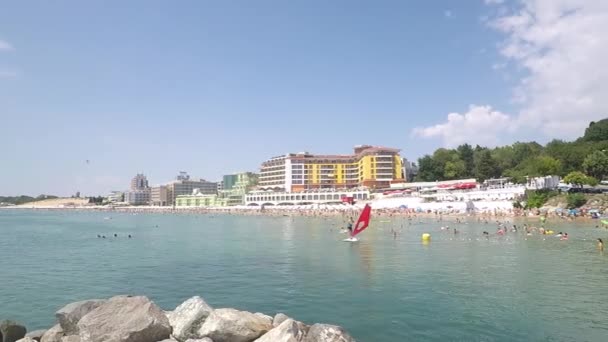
x=138 y=319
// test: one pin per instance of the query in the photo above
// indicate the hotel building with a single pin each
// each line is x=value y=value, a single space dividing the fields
x=369 y=166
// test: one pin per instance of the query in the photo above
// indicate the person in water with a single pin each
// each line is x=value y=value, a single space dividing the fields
x=349 y=226
x=600 y=245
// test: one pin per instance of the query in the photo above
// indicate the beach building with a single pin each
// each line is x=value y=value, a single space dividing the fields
x=318 y=196
x=199 y=199
x=184 y=185
x=369 y=166
x=237 y=185
x=138 y=197
x=116 y=197
x=159 y=195
x=410 y=170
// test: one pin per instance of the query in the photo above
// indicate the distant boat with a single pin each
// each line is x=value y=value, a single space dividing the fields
x=362 y=223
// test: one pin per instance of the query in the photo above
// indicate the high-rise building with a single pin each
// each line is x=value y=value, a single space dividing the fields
x=228 y=181
x=139 y=182
x=410 y=170
x=369 y=166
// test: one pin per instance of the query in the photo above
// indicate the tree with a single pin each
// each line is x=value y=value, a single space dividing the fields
x=454 y=169
x=575 y=200
x=467 y=155
x=597 y=131
x=578 y=178
x=485 y=166
x=596 y=164
x=542 y=166
x=428 y=170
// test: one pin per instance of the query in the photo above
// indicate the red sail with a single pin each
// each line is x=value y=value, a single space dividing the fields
x=363 y=221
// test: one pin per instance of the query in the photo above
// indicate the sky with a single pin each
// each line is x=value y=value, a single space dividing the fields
x=217 y=87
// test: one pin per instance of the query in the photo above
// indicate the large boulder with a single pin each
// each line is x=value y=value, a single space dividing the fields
x=278 y=319
x=187 y=318
x=11 y=331
x=53 y=335
x=71 y=338
x=327 y=333
x=69 y=315
x=230 y=325
x=264 y=316
x=204 y=339
x=288 y=331
x=125 y=319
x=36 y=335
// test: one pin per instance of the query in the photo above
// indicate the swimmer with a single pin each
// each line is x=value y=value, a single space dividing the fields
x=98 y=236
x=600 y=245
x=129 y=236
x=115 y=235
x=565 y=236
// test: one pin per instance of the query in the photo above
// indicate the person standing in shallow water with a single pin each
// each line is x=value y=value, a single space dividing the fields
x=600 y=245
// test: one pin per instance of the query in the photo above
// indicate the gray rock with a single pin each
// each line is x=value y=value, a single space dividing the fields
x=230 y=325
x=169 y=340
x=11 y=331
x=53 y=335
x=278 y=319
x=288 y=331
x=71 y=338
x=187 y=318
x=125 y=319
x=69 y=315
x=327 y=333
x=264 y=316
x=36 y=335
x=26 y=339
x=204 y=339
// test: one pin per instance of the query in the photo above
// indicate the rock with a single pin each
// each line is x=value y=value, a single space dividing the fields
x=187 y=318
x=26 y=339
x=264 y=316
x=36 y=335
x=230 y=325
x=125 y=319
x=288 y=331
x=169 y=340
x=204 y=339
x=11 y=331
x=69 y=315
x=327 y=333
x=71 y=338
x=278 y=319
x=53 y=335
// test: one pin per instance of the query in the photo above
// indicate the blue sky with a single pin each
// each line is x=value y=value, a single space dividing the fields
x=214 y=87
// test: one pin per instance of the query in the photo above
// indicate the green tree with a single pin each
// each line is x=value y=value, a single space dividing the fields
x=541 y=166
x=522 y=151
x=575 y=200
x=454 y=169
x=467 y=155
x=485 y=166
x=579 y=179
x=596 y=164
x=597 y=131
x=428 y=170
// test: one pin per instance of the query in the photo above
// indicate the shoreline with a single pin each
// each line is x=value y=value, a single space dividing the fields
x=305 y=211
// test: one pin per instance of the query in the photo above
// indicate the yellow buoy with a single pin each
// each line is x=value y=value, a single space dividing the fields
x=426 y=237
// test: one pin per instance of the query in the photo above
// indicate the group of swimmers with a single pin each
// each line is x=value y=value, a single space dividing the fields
x=115 y=235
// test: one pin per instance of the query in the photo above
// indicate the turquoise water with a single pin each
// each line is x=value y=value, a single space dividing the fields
x=381 y=289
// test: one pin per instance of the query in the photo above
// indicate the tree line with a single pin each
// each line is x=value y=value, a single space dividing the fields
x=582 y=161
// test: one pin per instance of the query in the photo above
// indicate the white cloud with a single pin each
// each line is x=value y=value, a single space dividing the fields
x=448 y=13
x=5 y=46
x=562 y=47
x=480 y=125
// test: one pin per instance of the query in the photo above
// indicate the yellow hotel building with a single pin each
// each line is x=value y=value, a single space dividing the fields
x=369 y=166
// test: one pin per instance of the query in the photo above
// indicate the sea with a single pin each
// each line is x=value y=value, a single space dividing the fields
x=457 y=287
